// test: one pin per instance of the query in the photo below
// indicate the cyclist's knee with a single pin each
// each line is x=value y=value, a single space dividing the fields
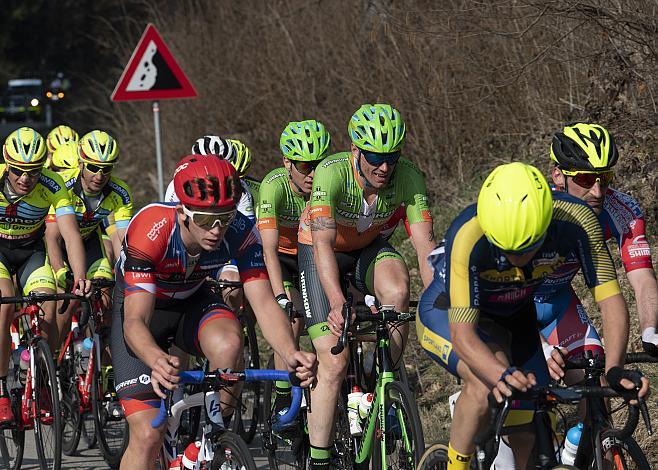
x=223 y=348
x=146 y=438
x=474 y=395
x=332 y=367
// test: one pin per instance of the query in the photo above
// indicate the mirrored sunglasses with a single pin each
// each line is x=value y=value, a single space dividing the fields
x=587 y=179
x=29 y=173
x=305 y=168
x=208 y=220
x=377 y=159
x=105 y=169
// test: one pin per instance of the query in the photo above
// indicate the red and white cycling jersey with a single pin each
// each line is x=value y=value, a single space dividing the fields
x=155 y=260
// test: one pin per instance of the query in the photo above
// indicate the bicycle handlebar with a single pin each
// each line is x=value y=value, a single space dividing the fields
x=226 y=377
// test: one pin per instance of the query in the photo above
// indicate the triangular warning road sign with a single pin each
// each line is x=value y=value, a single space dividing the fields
x=152 y=73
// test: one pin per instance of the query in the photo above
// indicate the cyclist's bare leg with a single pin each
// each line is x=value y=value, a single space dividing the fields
x=221 y=343
x=6 y=317
x=144 y=443
x=297 y=325
x=331 y=371
x=49 y=327
x=391 y=283
x=232 y=297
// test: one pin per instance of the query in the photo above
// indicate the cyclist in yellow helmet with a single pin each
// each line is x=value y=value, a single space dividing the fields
x=497 y=253
x=27 y=191
x=65 y=157
x=96 y=195
x=58 y=136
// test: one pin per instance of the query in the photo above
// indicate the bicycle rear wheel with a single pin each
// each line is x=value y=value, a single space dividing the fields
x=111 y=425
x=88 y=430
x=231 y=453
x=403 y=440
x=70 y=403
x=289 y=452
x=12 y=441
x=246 y=422
x=48 y=419
x=435 y=457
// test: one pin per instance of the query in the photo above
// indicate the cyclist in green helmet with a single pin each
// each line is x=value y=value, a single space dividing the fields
x=354 y=196
x=282 y=197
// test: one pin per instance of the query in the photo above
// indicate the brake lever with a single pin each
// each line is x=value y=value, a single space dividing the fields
x=645 y=414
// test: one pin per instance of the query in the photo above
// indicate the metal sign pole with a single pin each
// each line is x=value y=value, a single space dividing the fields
x=158 y=149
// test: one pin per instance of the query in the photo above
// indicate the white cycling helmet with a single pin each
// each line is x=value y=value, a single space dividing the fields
x=213 y=145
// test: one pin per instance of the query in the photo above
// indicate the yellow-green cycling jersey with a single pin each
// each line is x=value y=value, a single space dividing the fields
x=115 y=199
x=22 y=221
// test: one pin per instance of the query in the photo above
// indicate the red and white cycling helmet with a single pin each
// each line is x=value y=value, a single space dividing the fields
x=207 y=183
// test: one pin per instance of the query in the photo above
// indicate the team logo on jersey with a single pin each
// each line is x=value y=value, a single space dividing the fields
x=508 y=275
x=155 y=230
x=145 y=379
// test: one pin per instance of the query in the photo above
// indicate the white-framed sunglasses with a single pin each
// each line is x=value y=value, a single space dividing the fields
x=208 y=220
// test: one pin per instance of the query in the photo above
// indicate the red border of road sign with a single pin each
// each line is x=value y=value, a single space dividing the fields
x=121 y=94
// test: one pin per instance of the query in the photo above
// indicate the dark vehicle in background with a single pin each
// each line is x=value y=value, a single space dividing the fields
x=23 y=100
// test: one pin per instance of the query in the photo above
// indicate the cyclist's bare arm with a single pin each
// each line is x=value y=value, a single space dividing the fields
x=475 y=353
x=117 y=239
x=53 y=242
x=270 y=239
x=615 y=329
x=68 y=227
x=643 y=282
x=323 y=231
x=424 y=242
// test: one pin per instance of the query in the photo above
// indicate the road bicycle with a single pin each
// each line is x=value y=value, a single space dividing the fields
x=33 y=388
x=220 y=449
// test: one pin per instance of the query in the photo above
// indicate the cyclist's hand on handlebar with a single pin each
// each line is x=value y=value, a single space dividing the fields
x=305 y=365
x=82 y=287
x=513 y=378
x=556 y=363
x=335 y=320
x=620 y=379
x=165 y=374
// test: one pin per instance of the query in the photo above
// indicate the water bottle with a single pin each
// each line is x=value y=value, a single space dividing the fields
x=571 y=444
x=365 y=405
x=353 y=401
x=87 y=344
x=191 y=455
x=24 y=364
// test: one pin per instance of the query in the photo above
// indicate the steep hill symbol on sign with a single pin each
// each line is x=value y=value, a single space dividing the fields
x=152 y=73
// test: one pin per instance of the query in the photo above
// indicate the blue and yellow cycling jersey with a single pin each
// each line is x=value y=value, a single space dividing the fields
x=22 y=221
x=480 y=280
x=115 y=199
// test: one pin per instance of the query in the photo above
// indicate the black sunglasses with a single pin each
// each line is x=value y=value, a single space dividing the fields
x=29 y=173
x=91 y=168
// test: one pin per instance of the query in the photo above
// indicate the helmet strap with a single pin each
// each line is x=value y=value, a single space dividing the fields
x=357 y=163
x=292 y=181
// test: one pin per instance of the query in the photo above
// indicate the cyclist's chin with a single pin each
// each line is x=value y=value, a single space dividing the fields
x=210 y=244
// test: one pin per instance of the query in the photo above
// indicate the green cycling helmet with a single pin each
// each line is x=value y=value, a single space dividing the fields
x=377 y=128
x=305 y=141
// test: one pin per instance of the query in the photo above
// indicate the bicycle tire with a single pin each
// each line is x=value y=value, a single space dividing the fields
x=111 y=433
x=231 y=452
x=246 y=422
x=343 y=441
x=88 y=431
x=46 y=399
x=408 y=422
x=435 y=457
x=282 y=454
x=70 y=403
x=626 y=453
x=12 y=441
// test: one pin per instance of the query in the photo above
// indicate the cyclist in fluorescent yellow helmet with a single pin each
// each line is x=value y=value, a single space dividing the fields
x=65 y=157
x=59 y=136
x=27 y=191
x=478 y=320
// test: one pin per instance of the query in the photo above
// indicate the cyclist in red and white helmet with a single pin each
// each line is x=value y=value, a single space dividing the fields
x=168 y=252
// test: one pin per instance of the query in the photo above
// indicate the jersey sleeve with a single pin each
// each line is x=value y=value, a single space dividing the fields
x=415 y=194
x=328 y=185
x=144 y=246
x=462 y=271
x=246 y=247
x=268 y=204
x=58 y=195
x=595 y=260
x=123 y=210
x=623 y=219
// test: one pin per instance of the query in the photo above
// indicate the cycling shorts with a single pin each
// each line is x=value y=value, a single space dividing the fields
x=30 y=266
x=563 y=322
x=98 y=265
x=361 y=262
x=179 y=323
x=289 y=270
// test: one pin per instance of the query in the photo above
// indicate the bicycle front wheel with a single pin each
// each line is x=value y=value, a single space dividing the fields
x=621 y=454
x=48 y=416
x=111 y=425
x=70 y=403
x=12 y=441
x=232 y=453
x=401 y=443
x=434 y=458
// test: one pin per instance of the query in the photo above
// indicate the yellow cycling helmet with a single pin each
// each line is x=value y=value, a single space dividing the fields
x=25 y=148
x=584 y=146
x=60 y=135
x=515 y=207
x=65 y=157
x=240 y=157
x=98 y=148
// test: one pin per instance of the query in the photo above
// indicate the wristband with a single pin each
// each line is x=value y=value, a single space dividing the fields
x=508 y=371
